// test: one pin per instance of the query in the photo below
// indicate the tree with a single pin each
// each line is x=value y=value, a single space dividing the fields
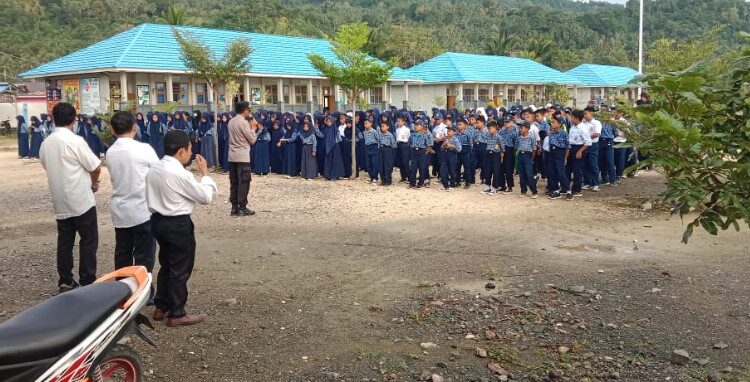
x=500 y=45
x=202 y=63
x=668 y=55
x=176 y=14
x=698 y=131
x=354 y=71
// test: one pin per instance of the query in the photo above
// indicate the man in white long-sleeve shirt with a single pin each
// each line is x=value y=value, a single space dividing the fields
x=172 y=193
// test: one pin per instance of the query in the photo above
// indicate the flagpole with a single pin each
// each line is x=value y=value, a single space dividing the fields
x=640 y=42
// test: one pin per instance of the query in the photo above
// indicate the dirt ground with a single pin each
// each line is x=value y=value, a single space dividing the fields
x=346 y=281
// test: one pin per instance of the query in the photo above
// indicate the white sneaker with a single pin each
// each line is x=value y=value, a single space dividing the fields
x=585 y=187
x=486 y=190
x=596 y=189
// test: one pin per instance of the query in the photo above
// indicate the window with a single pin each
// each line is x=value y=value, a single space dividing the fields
x=222 y=94
x=524 y=95
x=161 y=92
x=201 y=97
x=300 y=94
x=316 y=89
x=484 y=95
x=468 y=95
x=285 y=91
x=272 y=94
x=376 y=95
x=180 y=93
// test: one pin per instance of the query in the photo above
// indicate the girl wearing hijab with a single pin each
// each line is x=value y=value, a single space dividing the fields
x=261 y=151
x=192 y=129
x=346 y=147
x=333 y=164
x=80 y=128
x=289 y=145
x=37 y=136
x=92 y=125
x=156 y=131
x=48 y=126
x=309 y=152
x=177 y=122
x=142 y=129
x=275 y=151
x=224 y=142
x=321 y=147
x=207 y=134
x=23 y=137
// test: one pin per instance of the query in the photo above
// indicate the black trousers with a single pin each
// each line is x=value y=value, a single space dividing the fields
x=493 y=170
x=240 y=175
x=403 y=155
x=86 y=227
x=449 y=168
x=418 y=161
x=387 y=156
x=176 y=238
x=135 y=246
x=508 y=168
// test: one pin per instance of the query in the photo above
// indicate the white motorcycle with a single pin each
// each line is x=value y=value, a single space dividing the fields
x=73 y=337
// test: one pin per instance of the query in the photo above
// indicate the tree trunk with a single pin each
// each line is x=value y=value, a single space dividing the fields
x=354 y=137
x=215 y=100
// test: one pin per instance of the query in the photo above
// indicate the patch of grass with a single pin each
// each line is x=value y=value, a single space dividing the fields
x=396 y=366
x=364 y=354
x=503 y=354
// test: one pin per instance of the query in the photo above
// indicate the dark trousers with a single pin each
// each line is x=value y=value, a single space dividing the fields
x=607 y=160
x=135 y=246
x=417 y=162
x=591 y=169
x=449 y=168
x=480 y=160
x=552 y=184
x=387 y=155
x=577 y=166
x=176 y=238
x=466 y=164
x=558 y=174
x=403 y=156
x=508 y=168
x=240 y=175
x=539 y=159
x=372 y=161
x=620 y=154
x=492 y=170
x=435 y=158
x=86 y=227
x=526 y=172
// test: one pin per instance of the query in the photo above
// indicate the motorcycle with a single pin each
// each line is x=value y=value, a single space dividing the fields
x=74 y=336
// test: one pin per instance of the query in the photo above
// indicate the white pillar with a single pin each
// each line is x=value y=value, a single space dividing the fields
x=292 y=93
x=460 y=91
x=170 y=93
x=210 y=97
x=192 y=97
x=505 y=94
x=123 y=86
x=575 y=95
x=280 y=89
x=245 y=90
x=518 y=93
x=151 y=89
x=309 y=90
x=492 y=93
x=386 y=93
x=476 y=92
x=336 y=93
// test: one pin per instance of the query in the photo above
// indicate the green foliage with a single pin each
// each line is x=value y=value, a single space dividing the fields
x=176 y=14
x=557 y=93
x=668 y=55
x=203 y=63
x=697 y=130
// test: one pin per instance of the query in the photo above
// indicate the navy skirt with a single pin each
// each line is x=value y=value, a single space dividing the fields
x=346 y=157
x=277 y=158
x=208 y=150
x=290 y=164
x=309 y=163
x=261 y=158
x=334 y=164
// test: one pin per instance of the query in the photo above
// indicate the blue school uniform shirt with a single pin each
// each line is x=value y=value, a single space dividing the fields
x=264 y=135
x=481 y=136
x=370 y=137
x=558 y=139
x=510 y=137
x=543 y=126
x=465 y=138
x=608 y=131
x=420 y=140
x=526 y=144
x=23 y=129
x=387 y=140
x=494 y=143
x=456 y=142
x=309 y=140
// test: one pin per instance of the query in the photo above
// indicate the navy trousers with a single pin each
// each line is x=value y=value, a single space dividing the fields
x=449 y=168
x=577 y=166
x=509 y=165
x=23 y=145
x=372 y=161
x=417 y=162
x=526 y=172
x=387 y=155
x=465 y=163
x=548 y=165
x=621 y=161
x=591 y=170
x=403 y=156
x=607 y=160
x=492 y=170
x=480 y=160
x=558 y=175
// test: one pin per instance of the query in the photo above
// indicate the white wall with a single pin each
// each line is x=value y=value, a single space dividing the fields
x=421 y=97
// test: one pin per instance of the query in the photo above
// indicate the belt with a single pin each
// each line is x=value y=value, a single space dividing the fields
x=526 y=152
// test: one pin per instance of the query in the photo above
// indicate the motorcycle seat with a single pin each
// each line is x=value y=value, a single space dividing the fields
x=58 y=324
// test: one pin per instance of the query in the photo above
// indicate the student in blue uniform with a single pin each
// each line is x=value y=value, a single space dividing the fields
x=509 y=133
x=450 y=148
x=289 y=145
x=387 y=154
x=419 y=141
x=334 y=164
x=607 y=154
x=347 y=134
x=480 y=148
x=37 y=136
x=261 y=151
x=94 y=126
x=495 y=151
x=465 y=166
x=309 y=142
x=23 y=137
x=559 y=149
x=275 y=149
x=526 y=155
x=372 y=152
x=403 y=131
x=143 y=135
x=543 y=129
x=156 y=131
x=223 y=136
x=579 y=137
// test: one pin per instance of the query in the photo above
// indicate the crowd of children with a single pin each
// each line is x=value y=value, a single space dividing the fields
x=571 y=149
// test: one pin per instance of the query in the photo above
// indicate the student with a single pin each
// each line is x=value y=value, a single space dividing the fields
x=495 y=151
x=206 y=134
x=607 y=155
x=142 y=131
x=450 y=148
x=387 y=145
x=47 y=127
x=128 y=162
x=241 y=137
x=172 y=192
x=275 y=151
x=591 y=169
x=402 y=140
x=223 y=137
x=23 y=137
x=526 y=154
x=309 y=167
x=334 y=165
x=439 y=132
x=620 y=152
x=372 y=153
x=419 y=141
x=559 y=149
x=540 y=120
x=262 y=151
x=347 y=134
x=289 y=145
x=579 y=137
x=465 y=160
x=480 y=149
x=73 y=177
x=318 y=127
x=156 y=131
x=169 y=121
x=509 y=133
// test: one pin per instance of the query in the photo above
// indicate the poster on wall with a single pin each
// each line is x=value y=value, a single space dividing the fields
x=144 y=96
x=70 y=93
x=90 y=100
x=54 y=93
x=255 y=96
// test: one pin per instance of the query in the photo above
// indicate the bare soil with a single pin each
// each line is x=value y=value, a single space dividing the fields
x=342 y=281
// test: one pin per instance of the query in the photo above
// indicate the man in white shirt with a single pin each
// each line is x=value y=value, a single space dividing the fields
x=591 y=172
x=580 y=142
x=128 y=162
x=172 y=192
x=73 y=177
x=403 y=132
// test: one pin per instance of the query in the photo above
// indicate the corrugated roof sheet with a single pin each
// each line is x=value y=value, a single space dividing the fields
x=464 y=67
x=153 y=47
x=603 y=75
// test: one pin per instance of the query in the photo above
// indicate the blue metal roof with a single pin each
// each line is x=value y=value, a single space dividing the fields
x=463 y=67
x=152 y=47
x=603 y=75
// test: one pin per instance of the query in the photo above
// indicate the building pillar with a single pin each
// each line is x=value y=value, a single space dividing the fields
x=518 y=94
x=280 y=93
x=406 y=95
x=170 y=93
x=476 y=93
x=210 y=98
x=245 y=90
x=492 y=93
x=292 y=93
x=575 y=95
x=505 y=95
x=460 y=92
x=310 y=105
x=123 y=87
x=151 y=90
x=192 y=97
x=386 y=94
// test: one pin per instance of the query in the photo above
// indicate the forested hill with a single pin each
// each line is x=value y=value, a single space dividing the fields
x=559 y=33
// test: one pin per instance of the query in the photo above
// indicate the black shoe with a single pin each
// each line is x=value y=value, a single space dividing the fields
x=501 y=189
x=568 y=196
x=235 y=212
x=554 y=195
x=420 y=185
x=243 y=211
x=66 y=287
x=467 y=185
x=508 y=191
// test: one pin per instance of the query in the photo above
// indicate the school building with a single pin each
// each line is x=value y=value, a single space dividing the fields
x=142 y=68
